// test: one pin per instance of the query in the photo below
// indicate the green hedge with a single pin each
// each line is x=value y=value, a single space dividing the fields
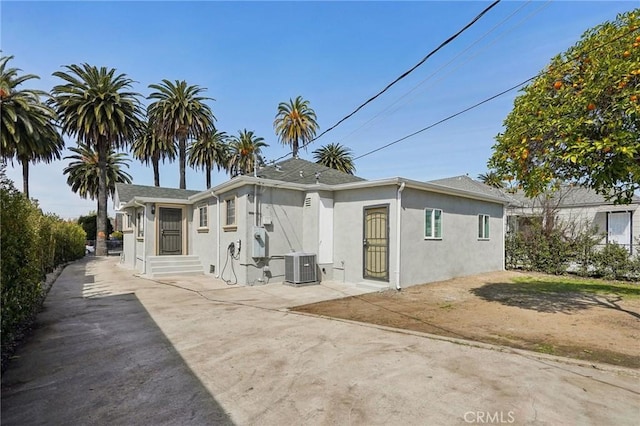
x=569 y=247
x=33 y=244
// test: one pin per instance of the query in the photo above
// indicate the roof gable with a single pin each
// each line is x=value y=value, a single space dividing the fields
x=295 y=170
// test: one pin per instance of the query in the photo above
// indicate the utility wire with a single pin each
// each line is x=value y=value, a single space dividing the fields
x=488 y=99
x=406 y=73
x=372 y=119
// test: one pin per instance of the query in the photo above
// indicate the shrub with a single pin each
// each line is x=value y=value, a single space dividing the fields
x=613 y=262
x=32 y=245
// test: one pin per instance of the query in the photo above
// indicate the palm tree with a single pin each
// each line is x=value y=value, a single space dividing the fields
x=151 y=148
x=335 y=156
x=83 y=173
x=179 y=113
x=295 y=123
x=491 y=178
x=245 y=150
x=28 y=130
x=95 y=106
x=211 y=149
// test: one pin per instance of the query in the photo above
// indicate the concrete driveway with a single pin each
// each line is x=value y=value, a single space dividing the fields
x=112 y=348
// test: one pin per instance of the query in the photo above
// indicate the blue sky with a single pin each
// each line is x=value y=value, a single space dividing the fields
x=253 y=55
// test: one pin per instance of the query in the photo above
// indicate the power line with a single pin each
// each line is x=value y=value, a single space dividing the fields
x=406 y=73
x=487 y=99
x=372 y=119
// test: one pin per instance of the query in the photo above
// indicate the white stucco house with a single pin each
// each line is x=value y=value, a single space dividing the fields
x=301 y=222
x=616 y=223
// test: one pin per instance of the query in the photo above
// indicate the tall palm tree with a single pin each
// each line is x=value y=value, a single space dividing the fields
x=149 y=147
x=83 y=173
x=245 y=150
x=179 y=113
x=295 y=123
x=336 y=156
x=28 y=131
x=210 y=150
x=95 y=106
x=491 y=178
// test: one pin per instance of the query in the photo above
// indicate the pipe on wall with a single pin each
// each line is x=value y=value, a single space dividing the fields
x=144 y=238
x=398 y=232
x=217 y=233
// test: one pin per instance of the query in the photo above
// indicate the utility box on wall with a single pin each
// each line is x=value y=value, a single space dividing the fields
x=259 y=242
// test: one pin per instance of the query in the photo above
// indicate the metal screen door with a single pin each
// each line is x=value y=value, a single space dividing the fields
x=170 y=231
x=376 y=243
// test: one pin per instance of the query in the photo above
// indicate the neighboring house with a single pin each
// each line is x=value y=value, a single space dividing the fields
x=382 y=233
x=581 y=207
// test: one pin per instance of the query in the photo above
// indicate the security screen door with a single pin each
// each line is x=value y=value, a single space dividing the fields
x=170 y=231
x=620 y=229
x=376 y=243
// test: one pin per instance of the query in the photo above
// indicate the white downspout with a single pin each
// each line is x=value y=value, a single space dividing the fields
x=398 y=232
x=217 y=234
x=144 y=237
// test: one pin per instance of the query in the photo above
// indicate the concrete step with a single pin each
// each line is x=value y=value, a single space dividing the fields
x=162 y=266
x=370 y=285
x=173 y=274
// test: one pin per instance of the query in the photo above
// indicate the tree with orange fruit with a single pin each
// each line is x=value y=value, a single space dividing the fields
x=579 y=120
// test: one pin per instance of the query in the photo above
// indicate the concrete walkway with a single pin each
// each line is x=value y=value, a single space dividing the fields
x=112 y=348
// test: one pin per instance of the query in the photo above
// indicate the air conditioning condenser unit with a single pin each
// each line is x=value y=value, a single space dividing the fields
x=300 y=268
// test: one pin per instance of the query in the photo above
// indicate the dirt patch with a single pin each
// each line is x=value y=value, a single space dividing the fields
x=491 y=308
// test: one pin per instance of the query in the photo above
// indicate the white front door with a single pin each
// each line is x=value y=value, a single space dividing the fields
x=620 y=229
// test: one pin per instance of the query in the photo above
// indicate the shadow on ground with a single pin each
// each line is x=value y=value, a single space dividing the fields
x=552 y=297
x=99 y=358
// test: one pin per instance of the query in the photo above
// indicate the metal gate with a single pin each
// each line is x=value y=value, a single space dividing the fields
x=376 y=243
x=170 y=231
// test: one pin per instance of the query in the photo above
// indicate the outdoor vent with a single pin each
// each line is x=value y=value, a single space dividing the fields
x=300 y=268
x=307 y=202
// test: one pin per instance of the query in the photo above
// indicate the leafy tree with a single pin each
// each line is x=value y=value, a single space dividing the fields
x=89 y=224
x=179 y=113
x=579 y=120
x=245 y=149
x=210 y=150
x=28 y=130
x=95 y=106
x=491 y=178
x=295 y=123
x=84 y=172
x=151 y=148
x=336 y=156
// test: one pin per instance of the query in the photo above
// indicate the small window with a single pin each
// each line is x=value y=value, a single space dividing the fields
x=231 y=212
x=203 y=216
x=128 y=221
x=140 y=223
x=483 y=227
x=433 y=223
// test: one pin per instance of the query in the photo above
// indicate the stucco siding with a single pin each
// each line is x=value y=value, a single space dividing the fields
x=203 y=240
x=280 y=212
x=348 y=250
x=459 y=251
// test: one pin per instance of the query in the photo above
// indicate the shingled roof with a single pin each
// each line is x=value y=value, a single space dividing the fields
x=295 y=170
x=568 y=196
x=126 y=192
x=465 y=183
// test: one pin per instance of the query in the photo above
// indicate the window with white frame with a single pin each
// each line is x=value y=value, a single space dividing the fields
x=140 y=223
x=203 y=216
x=128 y=221
x=230 y=209
x=483 y=226
x=432 y=223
